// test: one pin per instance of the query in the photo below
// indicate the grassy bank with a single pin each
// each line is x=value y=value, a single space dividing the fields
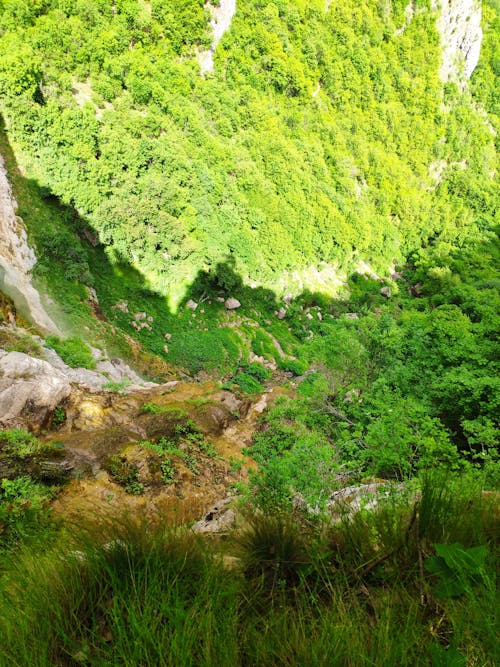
x=411 y=583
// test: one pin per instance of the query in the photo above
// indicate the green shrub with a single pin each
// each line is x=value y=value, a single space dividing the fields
x=124 y=473
x=274 y=554
x=73 y=351
x=258 y=371
x=248 y=384
x=262 y=345
x=295 y=366
x=151 y=408
x=23 y=510
x=117 y=387
x=58 y=417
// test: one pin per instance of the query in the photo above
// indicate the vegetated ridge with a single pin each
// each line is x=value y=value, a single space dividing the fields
x=305 y=232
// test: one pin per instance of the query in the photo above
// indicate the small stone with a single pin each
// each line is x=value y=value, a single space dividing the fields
x=281 y=314
x=352 y=396
x=92 y=295
x=191 y=304
x=309 y=316
x=352 y=316
x=165 y=349
x=220 y=299
x=121 y=306
x=320 y=316
x=167 y=336
x=140 y=316
x=150 y=319
x=232 y=303
x=386 y=291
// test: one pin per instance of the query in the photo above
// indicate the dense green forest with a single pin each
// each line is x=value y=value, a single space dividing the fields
x=310 y=144
x=325 y=177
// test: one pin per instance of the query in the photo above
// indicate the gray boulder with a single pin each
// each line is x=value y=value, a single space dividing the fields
x=232 y=303
x=29 y=387
x=219 y=519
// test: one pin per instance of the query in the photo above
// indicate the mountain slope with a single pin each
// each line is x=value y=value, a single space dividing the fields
x=318 y=140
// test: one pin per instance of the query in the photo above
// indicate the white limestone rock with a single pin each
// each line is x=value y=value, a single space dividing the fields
x=459 y=25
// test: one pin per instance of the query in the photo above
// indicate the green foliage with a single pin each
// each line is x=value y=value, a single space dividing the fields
x=186 y=444
x=24 y=499
x=73 y=351
x=350 y=108
x=124 y=473
x=118 y=387
x=295 y=593
x=450 y=657
x=59 y=416
x=248 y=384
x=258 y=371
x=295 y=366
x=23 y=511
x=262 y=345
x=15 y=341
x=274 y=554
x=167 y=471
x=294 y=456
x=19 y=445
x=151 y=408
x=457 y=568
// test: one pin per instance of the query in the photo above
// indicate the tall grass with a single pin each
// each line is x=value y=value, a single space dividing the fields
x=353 y=593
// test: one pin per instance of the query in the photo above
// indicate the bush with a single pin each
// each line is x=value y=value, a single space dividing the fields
x=258 y=371
x=295 y=366
x=23 y=510
x=73 y=351
x=248 y=384
x=126 y=474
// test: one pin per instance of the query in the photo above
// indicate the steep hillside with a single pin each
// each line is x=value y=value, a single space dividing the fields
x=321 y=203
x=323 y=138
x=249 y=256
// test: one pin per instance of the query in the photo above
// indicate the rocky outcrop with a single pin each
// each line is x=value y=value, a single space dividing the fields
x=222 y=15
x=31 y=388
x=17 y=259
x=219 y=519
x=459 y=25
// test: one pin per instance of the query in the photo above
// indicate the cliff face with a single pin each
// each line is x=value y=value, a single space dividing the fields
x=17 y=259
x=221 y=17
x=459 y=25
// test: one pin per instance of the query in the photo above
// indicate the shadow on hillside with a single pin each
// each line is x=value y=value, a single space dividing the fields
x=96 y=289
x=107 y=300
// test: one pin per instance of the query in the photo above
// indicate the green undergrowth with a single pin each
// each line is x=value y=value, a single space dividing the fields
x=250 y=378
x=14 y=340
x=185 y=444
x=72 y=351
x=365 y=590
x=27 y=486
